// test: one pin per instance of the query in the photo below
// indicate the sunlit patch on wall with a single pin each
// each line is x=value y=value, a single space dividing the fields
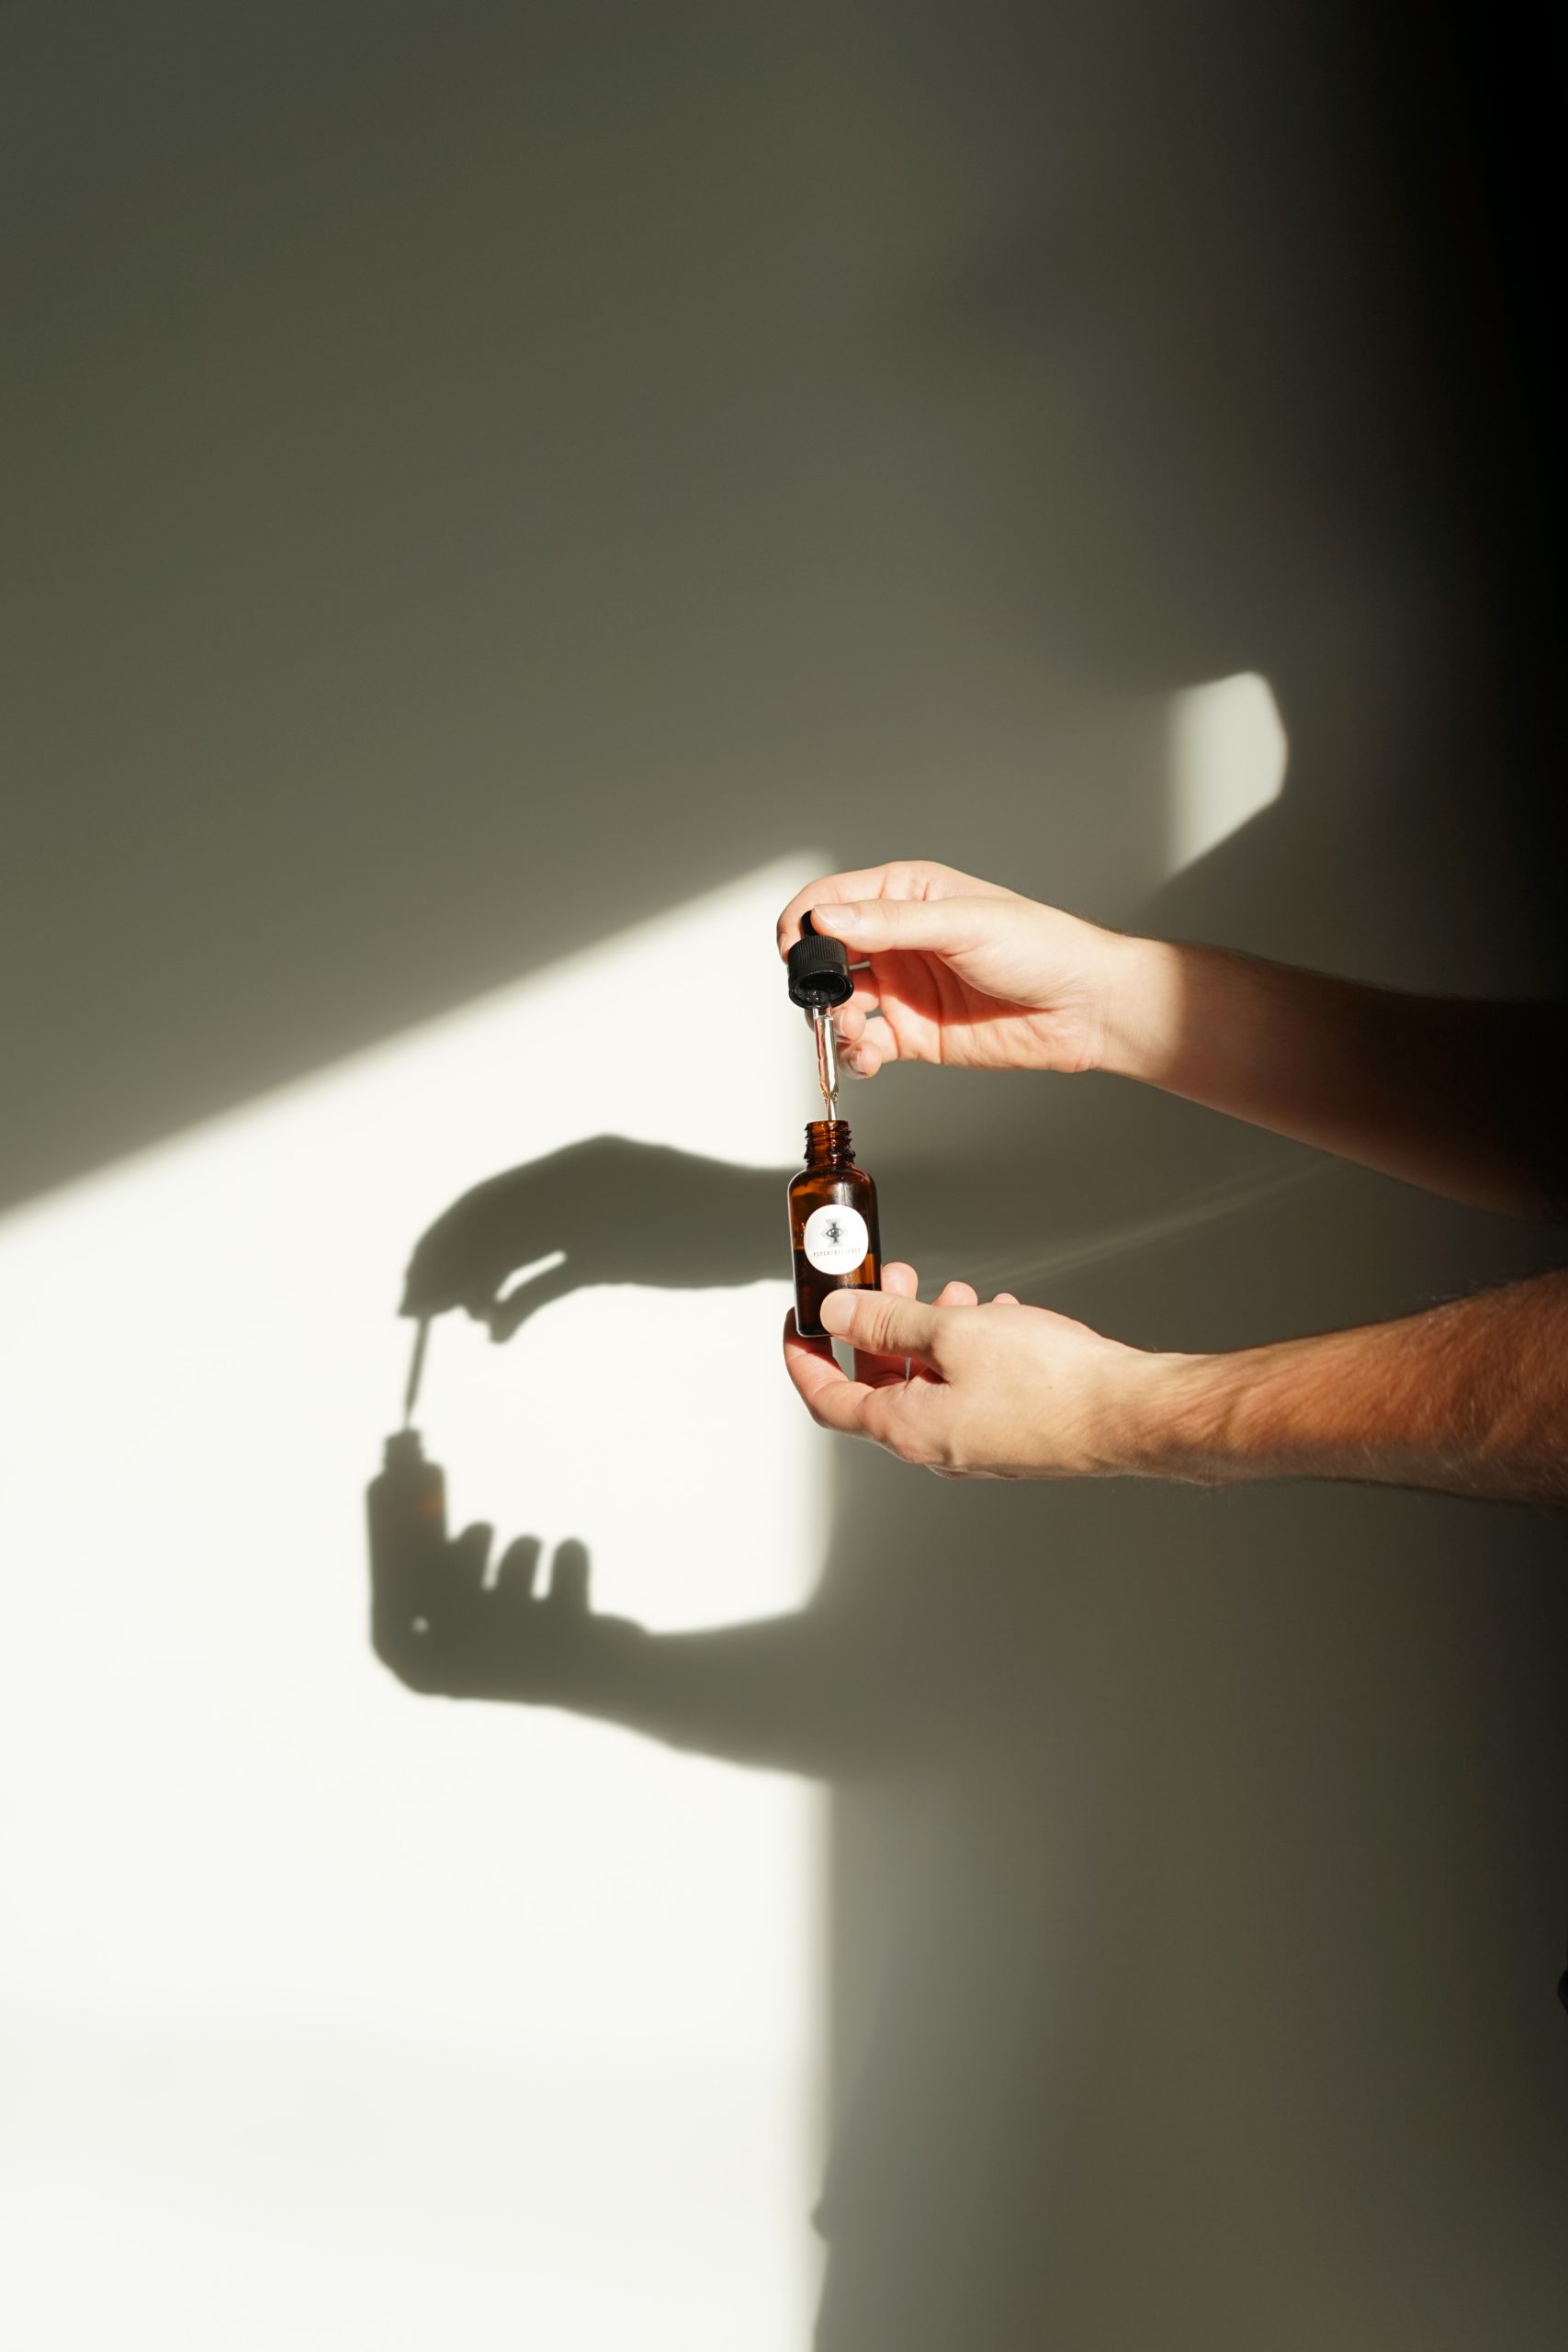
x=1228 y=754
x=338 y=2016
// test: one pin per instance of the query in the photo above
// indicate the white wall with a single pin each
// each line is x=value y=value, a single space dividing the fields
x=336 y=2017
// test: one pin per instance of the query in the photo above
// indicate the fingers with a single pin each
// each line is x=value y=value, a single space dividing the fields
x=898 y=1414
x=881 y=1325
x=867 y=1037
x=867 y=1055
x=898 y=1396
x=906 y=878
x=830 y=1396
x=883 y=1345
x=954 y=1293
x=852 y=1407
x=881 y=926
x=851 y=1016
x=899 y=1281
x=868 y=882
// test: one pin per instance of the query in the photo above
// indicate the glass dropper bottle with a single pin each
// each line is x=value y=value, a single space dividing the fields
x=820 y=982
x=834 y=1237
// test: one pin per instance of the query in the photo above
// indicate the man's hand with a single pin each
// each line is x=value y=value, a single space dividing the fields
x=1469 y=1398
x=1002 y=1391
x=1464 y=1098
x=964 y=973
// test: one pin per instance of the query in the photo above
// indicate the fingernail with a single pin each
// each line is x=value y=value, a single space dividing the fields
x=836 y=918
x=838 y=1311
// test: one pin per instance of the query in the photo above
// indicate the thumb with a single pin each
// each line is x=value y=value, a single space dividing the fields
x=876 y=1324
x=942 y=926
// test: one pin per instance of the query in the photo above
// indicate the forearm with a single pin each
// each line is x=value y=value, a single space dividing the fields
x=1469 y=1398
x=1465 y=1099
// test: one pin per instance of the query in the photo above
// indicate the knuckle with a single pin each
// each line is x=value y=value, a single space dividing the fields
x=884 y=1333
x=941 y=1449
x=881 y=1424
x=868 y=1327
x=913 y=1444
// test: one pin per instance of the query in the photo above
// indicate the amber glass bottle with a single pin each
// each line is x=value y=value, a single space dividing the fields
x=833 y=1225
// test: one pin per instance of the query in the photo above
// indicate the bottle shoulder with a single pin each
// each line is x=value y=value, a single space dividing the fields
x=830 y=1183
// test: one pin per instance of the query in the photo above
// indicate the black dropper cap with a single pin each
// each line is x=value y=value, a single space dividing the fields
x=819 y=970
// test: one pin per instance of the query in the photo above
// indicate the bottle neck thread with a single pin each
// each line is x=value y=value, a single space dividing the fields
x=828 y=1144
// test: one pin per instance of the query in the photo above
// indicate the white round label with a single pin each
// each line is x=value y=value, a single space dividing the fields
x=836 y=1238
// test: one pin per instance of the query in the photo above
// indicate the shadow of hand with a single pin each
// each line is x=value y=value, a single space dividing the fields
x=447 y=1628
x=607 y=1210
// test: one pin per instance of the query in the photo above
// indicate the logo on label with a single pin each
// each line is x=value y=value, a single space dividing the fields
x=836 y=1238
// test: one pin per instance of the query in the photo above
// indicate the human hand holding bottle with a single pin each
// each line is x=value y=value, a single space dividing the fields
x=1452 y=1093
x=1001 y=1391
x=1433 y=1400
x=962 y=972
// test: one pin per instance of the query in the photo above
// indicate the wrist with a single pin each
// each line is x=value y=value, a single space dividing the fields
x=1140 y=999
x=1246 y=1413
x=1170 y=1419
